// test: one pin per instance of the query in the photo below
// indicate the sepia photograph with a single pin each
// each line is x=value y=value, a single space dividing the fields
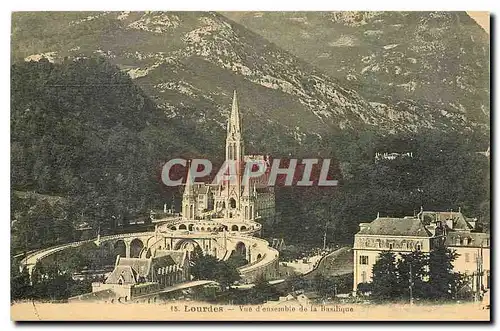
x=250 y=165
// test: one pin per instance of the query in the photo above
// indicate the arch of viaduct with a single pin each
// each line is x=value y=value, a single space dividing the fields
x=262 y=258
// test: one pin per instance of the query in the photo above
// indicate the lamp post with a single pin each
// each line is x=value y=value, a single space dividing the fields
x=411 y=286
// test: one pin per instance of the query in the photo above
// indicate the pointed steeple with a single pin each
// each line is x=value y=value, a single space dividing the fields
x=247 y=188
x=189 y=189
x=234 y=126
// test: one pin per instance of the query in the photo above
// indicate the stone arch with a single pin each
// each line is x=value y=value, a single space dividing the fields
x=136 y=247
x=182 y=227
x=190 y=227
x=241 y=249
x=202 y=229
x=232 y=203
x=234 y=228
x=173 y=228
x=209 y=229
x=188 y=245
x=119 y=248
x=243 y=228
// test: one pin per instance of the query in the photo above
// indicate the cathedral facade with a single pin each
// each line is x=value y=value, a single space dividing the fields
x=254 y=201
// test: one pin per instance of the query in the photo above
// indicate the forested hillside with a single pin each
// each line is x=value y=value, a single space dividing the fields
x=81 y=130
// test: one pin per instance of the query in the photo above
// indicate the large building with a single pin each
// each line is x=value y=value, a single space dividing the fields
x=422 y=233
x=143 y=277
x=399 y=235
x=232 y=199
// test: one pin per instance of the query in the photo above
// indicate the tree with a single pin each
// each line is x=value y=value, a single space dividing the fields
x=204 y=266
x=325 y=287
x=20 y=287
x=412 y=271
x=237 y=260
x=226 y=274
x=385 y=277
x=262 y=291
x=296 y=282
x=442 y=280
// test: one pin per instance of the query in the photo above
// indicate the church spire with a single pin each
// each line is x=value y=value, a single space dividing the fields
x=234 y=120
x=188 y=189
x=234 y=141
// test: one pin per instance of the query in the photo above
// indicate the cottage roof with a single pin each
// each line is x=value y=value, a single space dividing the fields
x=396 y=227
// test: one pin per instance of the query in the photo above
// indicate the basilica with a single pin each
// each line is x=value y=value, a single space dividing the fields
x=254 y=201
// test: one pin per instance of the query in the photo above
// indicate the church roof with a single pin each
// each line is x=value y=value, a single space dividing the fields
x=396 y=227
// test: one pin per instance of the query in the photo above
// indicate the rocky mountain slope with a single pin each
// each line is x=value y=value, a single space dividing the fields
x=413 y=61
x=190 y=63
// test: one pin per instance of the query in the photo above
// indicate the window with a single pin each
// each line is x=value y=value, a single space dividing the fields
x=418 y=247
x=391 y=245
x=467 y=257
x=363 y=259
x=363 y=277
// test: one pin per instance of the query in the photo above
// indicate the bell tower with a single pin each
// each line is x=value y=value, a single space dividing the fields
x=234 y=153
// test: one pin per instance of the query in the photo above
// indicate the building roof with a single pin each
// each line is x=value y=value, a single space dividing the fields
x=460 y=222
x=177 y=257
x=309 y=295
x=140 y=266
x=395 y=227
x=474 y=239
x=122 y=274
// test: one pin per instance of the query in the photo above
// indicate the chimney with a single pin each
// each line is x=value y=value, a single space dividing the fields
x=449 y=223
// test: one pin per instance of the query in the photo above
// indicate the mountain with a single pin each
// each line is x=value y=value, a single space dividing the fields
x=84 y=134
x=189 y=63
x=400 y=60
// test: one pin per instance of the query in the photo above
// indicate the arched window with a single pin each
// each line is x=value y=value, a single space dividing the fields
x=232 y=203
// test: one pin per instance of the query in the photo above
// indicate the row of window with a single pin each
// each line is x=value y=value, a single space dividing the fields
x=391 y=245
